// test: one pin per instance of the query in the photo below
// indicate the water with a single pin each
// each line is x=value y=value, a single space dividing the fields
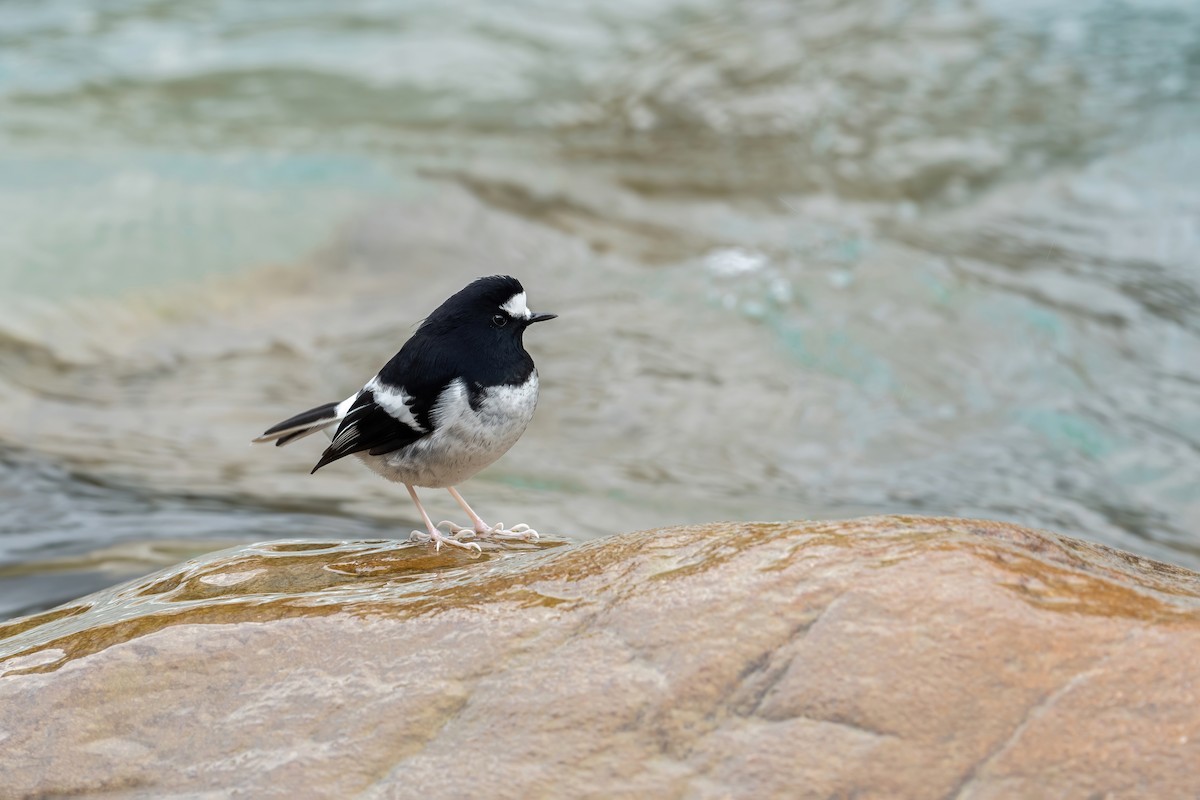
x=811 y=259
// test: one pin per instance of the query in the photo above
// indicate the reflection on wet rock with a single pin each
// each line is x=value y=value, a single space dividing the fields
x=907 y=656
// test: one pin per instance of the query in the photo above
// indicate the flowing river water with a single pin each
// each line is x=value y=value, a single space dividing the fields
x=811 y=259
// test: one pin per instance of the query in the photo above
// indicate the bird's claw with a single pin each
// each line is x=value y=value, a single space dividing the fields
x=438 y=540
x=457 y=531
x=520 y=531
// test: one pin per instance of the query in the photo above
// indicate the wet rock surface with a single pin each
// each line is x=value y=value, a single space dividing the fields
x=883 y=657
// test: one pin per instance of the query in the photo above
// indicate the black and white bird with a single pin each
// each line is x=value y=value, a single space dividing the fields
x=455 y=398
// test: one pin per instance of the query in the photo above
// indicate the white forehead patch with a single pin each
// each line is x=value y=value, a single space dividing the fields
x=517 y=306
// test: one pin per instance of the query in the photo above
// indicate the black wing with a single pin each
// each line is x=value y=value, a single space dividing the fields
x=368 y=426
x=423 y=367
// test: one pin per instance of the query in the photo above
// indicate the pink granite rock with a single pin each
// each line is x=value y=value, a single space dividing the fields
x=886 y=657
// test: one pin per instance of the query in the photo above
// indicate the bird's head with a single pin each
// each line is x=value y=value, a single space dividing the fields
x=495 y=308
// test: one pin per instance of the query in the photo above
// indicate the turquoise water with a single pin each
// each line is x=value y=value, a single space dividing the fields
x=811 y=259
x=129 y=221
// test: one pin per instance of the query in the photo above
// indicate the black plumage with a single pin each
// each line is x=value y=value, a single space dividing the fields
x=302 y=424
x=368 y=426
x=456 y=397
x=304 y=419
x=453 y=342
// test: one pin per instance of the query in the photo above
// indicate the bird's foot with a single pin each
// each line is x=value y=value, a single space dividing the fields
x=520 y=532
x=435 y=536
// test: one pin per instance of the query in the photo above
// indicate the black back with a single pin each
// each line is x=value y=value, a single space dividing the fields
x=460 y=339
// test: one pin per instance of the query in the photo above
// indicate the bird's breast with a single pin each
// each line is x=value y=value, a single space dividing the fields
x=496 y=414
x=472 y=427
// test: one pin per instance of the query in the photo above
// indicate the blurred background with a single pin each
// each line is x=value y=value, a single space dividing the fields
x=818 y=258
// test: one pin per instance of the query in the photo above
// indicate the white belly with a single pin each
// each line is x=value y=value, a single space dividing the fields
x=464 y=440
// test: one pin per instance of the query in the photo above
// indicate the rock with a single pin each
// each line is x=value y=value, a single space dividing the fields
x=884 y=657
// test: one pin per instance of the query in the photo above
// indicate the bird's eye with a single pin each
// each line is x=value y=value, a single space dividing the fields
x=499 y=320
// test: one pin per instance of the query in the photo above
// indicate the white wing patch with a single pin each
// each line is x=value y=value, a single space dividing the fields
x=517 y=306
x=395 y=401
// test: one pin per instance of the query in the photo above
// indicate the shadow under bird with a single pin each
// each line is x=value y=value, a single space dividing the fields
x=455 y=398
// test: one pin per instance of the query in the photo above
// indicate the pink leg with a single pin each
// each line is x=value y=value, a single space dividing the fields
x=434 y=535
x=482 y=529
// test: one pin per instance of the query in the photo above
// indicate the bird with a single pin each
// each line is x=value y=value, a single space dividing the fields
x=454 y=399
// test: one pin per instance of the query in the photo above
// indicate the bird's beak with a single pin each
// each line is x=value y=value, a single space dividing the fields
x=539 y=318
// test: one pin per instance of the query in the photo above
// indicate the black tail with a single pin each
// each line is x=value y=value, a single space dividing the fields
x=301 y=425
